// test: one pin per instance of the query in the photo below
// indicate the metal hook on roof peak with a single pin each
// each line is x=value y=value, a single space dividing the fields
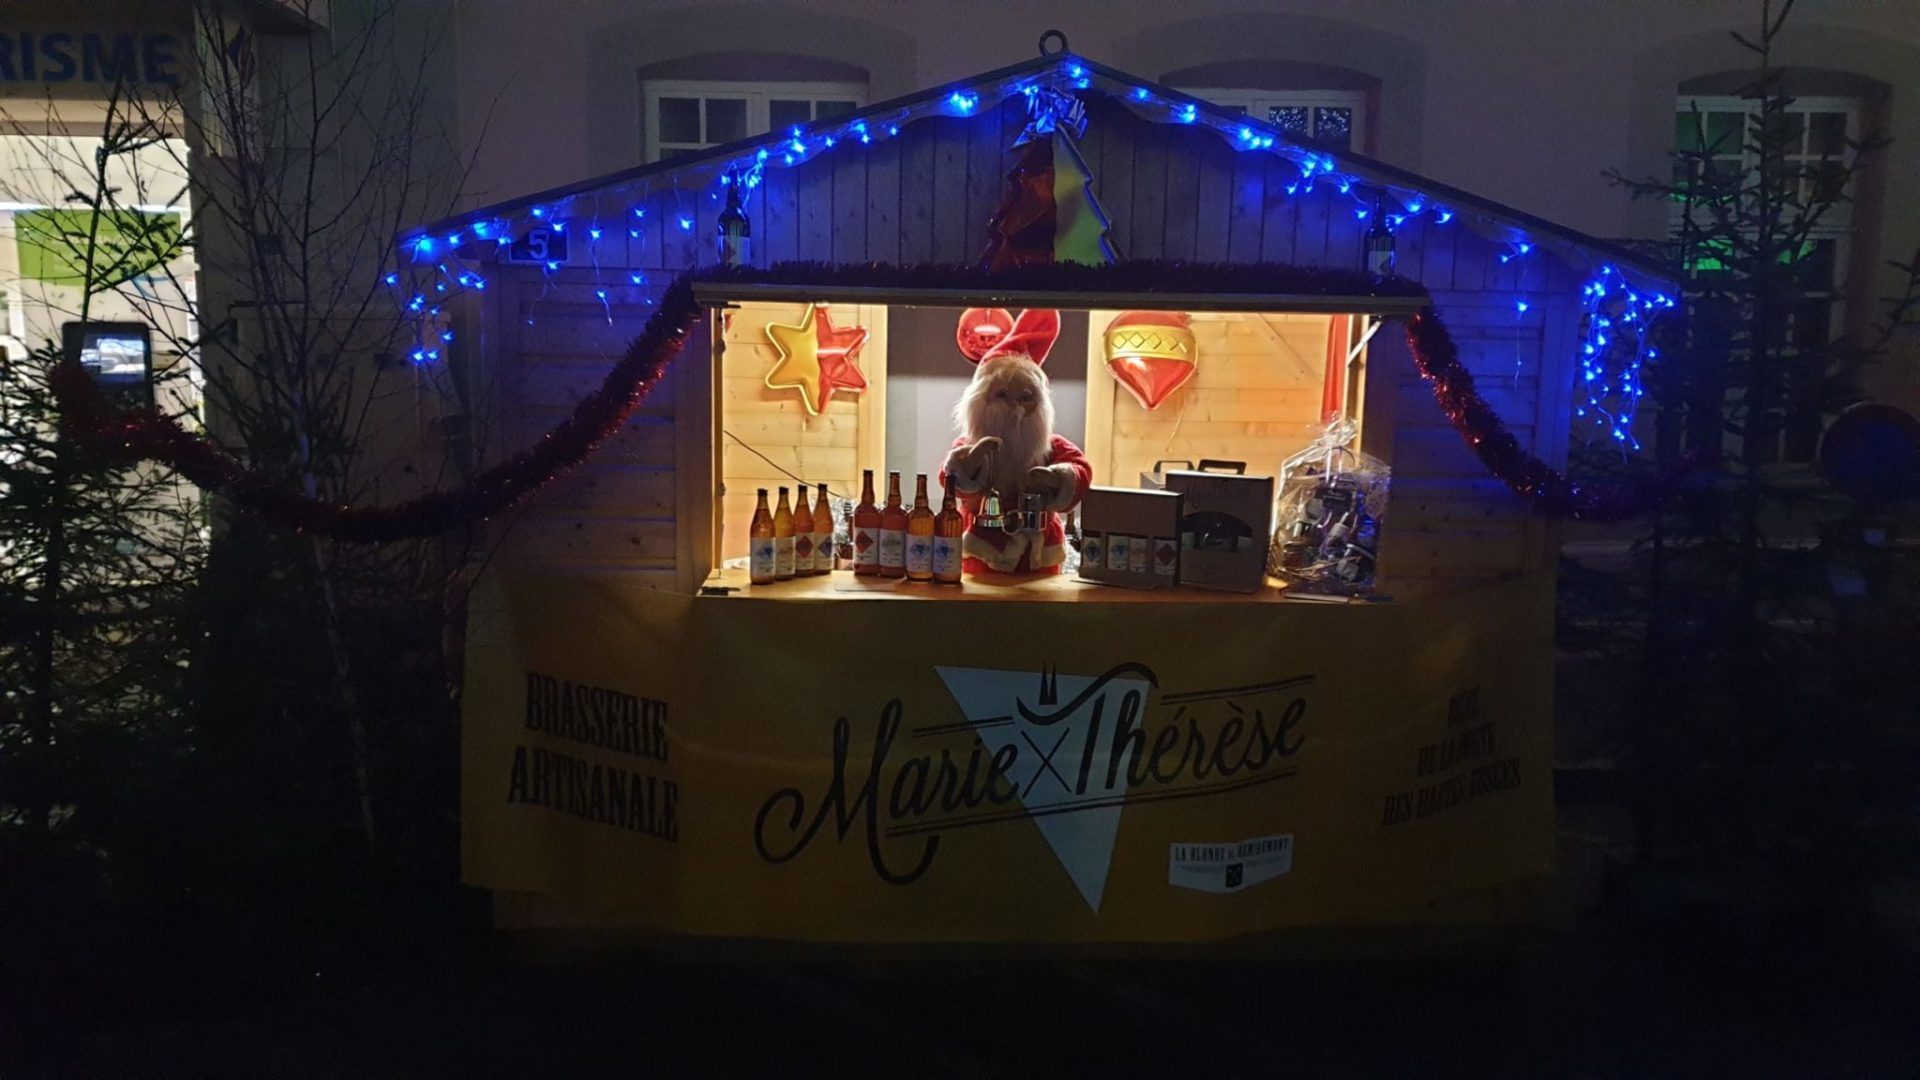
x=1060 y=43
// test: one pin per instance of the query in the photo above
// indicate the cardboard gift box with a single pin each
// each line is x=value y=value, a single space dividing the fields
x=1157 y=479
x=1130 y=536
x=1226 y=521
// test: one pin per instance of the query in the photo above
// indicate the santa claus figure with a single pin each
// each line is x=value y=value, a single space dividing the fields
x=1007 y=443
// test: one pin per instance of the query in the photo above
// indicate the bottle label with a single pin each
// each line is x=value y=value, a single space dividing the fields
x=1166 y=556
x=1119 y=550
x=1137 y=556
x=1093 y=550
x=920 y=555
x=823 y=551
x=893 y=549
x=735 y=250
x=761 y=565
x=946 y=557
x=783 y=556
x=866 y=547
x=802 y=552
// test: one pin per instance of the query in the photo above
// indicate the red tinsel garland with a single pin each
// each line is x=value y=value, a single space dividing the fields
x=89 y=420
x=137 y=436
x=1438 y=361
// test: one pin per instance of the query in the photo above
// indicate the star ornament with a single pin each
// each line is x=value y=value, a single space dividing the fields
x=817 y=358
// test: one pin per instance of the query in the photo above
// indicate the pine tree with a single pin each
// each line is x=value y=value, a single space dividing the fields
x=1761 y=735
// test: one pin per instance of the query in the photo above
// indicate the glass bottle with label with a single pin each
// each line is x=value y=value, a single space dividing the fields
x=802 y=534
x=1379 y=241
x=760 y=543
x=947 y=528
x=866 y=530
x=920 y=534
x=822 y=534
x=783 y=539
x=893 y=531
x=736 y=231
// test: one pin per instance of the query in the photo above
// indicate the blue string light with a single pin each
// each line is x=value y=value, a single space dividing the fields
x=1610 y=363
x=802 y=143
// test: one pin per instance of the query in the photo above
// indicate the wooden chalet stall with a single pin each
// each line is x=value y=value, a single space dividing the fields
x=653 y=743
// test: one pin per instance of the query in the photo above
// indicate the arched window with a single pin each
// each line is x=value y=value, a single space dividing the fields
x=1715 y=118
x=691 y=103
x=1322 y=102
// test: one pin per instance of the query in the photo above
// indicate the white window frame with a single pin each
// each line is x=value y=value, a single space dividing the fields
x=1836 y=224
x=757 y=95
x=1258 y=102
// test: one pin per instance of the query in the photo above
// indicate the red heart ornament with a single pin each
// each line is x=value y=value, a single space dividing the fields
x=1151 y=379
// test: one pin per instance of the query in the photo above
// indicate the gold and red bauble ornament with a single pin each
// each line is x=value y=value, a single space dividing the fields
x=1151 y=353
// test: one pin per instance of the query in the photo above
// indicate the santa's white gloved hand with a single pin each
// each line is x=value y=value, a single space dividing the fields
x=1059 y=483
x=970 y=468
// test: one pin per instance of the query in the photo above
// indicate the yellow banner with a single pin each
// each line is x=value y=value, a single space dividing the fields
x=884 y=770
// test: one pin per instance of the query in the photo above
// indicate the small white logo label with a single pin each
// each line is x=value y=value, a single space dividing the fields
x=1229 y=867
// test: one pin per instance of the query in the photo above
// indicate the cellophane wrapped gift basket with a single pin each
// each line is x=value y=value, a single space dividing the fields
x=1332 y=504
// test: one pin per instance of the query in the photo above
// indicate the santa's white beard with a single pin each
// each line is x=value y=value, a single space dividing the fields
x=1026 y=440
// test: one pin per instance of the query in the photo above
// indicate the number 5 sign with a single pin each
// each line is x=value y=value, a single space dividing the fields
x=539 y=244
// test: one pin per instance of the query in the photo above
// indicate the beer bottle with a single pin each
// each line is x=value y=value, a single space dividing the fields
x=822 y=534
x=866 y=530
x=736 y=232
x=783 y=539
x=893 y=531
x=802 y=535
x=760 y=544
x=946 y=541
x=920 y=534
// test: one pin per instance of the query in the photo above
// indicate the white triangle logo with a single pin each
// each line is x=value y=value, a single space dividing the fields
x=1063 y=768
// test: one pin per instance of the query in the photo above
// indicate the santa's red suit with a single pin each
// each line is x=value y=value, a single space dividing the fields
x=1008 y=551
x=990 y=337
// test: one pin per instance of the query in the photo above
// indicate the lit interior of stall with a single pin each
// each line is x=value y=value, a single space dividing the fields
x=1143 y=392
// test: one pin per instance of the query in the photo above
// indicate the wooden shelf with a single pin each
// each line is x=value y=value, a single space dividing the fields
x=1048 y=588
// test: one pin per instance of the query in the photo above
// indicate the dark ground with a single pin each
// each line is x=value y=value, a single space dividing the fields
x=1676 y=1001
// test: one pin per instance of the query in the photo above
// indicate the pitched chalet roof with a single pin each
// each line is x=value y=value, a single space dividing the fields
x=981 y=93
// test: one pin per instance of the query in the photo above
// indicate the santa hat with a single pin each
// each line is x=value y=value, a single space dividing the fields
x=985 y=333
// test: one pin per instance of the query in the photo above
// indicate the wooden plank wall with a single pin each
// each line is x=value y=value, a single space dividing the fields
x=832 y=447
x=1172 y=192
x=547 y=342
x=1449 y=519
x=1254 y=397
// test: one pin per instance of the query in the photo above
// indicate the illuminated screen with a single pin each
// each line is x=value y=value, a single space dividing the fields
x=115 y=359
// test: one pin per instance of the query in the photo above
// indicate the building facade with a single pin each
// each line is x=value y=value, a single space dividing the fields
x=1529 y=104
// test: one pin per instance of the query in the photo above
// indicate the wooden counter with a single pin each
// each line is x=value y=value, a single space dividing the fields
x=1047 y=588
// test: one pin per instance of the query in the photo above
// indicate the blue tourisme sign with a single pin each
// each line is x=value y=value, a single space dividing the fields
x=89 y=56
